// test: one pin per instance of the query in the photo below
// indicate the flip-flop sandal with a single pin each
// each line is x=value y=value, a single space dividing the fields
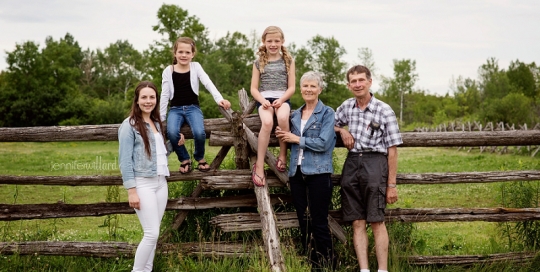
x=189 y=169
x=203 y=169
x=254 y=174
x=283 y=165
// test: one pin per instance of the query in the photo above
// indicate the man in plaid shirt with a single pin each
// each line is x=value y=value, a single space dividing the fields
x=368 y=180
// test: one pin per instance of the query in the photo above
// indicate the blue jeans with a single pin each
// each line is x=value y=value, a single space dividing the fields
x=193 y=115
x=313 y=192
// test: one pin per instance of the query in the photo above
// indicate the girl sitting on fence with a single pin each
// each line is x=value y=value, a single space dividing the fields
x=272 y=85
x=180 y=86
x=143 y=163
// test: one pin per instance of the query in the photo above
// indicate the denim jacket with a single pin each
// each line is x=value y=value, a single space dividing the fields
x=132 y=157
x=318 y=141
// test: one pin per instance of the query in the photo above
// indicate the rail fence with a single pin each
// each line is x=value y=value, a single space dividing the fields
x=489 y=126
x=236 y=131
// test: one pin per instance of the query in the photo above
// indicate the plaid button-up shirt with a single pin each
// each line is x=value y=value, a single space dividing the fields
x=367 y=139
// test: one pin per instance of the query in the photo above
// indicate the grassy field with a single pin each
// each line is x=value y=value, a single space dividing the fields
x=100 y=158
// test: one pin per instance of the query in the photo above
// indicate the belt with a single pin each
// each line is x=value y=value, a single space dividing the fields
x=365 y=153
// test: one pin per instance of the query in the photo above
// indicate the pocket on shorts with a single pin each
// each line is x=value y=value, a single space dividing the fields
x=382 y=198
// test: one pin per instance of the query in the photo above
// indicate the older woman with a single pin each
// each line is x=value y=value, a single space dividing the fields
x=312 y=139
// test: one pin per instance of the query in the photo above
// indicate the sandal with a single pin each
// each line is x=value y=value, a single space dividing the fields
x=204 y=163
x=283 y=165
x=189 y=169
x=254 y=174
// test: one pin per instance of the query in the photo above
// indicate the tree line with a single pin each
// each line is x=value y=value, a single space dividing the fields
x=60 y=83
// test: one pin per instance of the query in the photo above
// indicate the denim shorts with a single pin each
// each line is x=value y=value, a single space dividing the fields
x=271 y=100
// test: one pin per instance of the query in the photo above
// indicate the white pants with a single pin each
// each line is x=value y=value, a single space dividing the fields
x=153 y=195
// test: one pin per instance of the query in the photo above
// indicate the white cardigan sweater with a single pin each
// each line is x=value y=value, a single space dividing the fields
x=196 y=74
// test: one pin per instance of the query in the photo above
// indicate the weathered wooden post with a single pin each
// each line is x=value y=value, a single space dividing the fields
x=270 y=233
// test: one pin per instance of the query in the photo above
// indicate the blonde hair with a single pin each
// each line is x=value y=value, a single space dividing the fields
x=263 y=56
x=186 y=40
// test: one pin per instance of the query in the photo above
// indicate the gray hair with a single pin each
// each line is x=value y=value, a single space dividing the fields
x=312 y=75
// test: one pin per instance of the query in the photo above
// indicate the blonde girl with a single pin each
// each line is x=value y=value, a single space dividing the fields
x=180 y=88
x=272 y=85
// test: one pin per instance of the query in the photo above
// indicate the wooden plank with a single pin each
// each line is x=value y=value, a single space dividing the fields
x=122 y=249
x=518 y=257
x=440 y=139
x=101 y=132
x=241 y=179
x=221 y=249
x=62 y=210
x=252 y=121
x=248 y=221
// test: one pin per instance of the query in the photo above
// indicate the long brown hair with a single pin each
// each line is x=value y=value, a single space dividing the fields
x=136 y=118
x=263 y=55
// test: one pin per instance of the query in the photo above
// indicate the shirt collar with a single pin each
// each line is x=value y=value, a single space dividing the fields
x=371 y=103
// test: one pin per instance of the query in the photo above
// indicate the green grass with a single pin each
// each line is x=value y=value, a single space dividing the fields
x=82 y=158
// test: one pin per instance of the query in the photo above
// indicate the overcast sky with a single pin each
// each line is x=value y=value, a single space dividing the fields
x=445 y=38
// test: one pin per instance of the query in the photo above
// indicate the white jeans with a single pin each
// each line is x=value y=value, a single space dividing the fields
x=153 y=195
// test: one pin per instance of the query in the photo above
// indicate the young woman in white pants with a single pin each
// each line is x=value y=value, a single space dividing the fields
x=143 y=163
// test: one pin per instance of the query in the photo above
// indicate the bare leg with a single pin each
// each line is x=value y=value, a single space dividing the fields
x=283 y=114
x=360 y=242
x=381 y=244
x=267 y=123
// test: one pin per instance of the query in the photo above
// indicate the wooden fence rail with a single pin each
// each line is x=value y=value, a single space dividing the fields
x=217 y=130
x=489 y=126
x=241 y=179
x=219 y=249
x=248 y=221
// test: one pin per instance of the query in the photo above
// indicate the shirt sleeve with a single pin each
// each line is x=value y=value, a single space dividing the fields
x=392 y=136
x=340 y=119
x=208 y=84
x=165 y=93
x=126 y=140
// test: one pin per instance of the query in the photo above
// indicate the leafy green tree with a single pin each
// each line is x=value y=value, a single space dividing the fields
x=41 y=87
x=174 y=22
x=117 y=68
x=303 y=60
x=494 y=82
x=396 y=87
x=389 y=92
x=327 y=58
x=420 y=107
x=521 y=77
x=467 y=95
x=229 y=63
x=19 y=83
x=514 y=108
x=365 y=55
x=323 y=55
x=405 y=77
x=88 y=70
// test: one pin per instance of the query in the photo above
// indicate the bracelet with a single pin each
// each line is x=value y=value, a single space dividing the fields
x=391 y=185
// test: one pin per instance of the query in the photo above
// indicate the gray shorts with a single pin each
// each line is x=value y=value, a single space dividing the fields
x=363 y=186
